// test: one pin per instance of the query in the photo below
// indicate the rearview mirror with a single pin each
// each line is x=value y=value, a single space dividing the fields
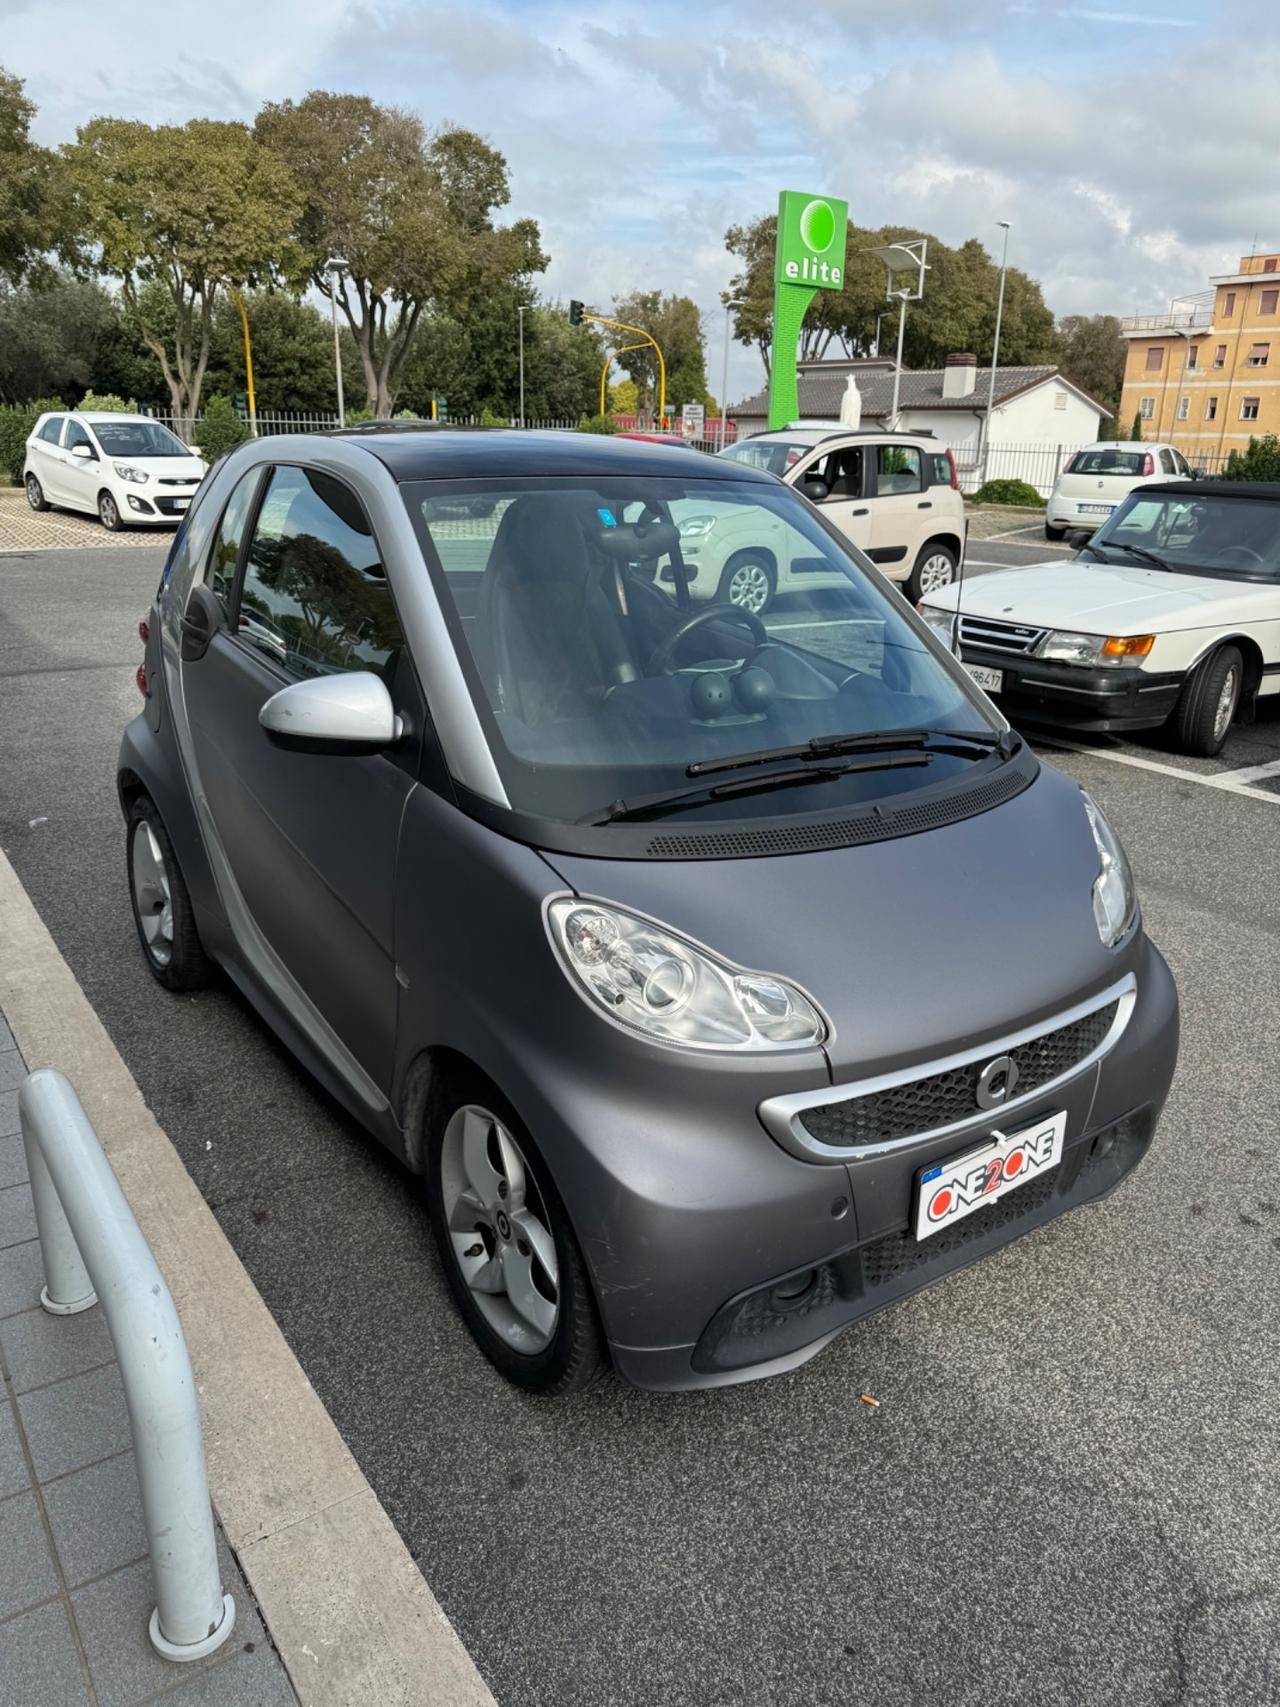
x=815 y=490
x=84 y=453
x=347 y=713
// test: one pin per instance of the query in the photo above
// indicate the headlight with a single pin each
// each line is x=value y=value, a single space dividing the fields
x=648 y=978
x=1069 y=648
x=1114 y=900
x=127 y=471
x=942 y=622
x=693 y=526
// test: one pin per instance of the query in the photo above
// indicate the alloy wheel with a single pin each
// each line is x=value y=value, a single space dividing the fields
x=936 y=571
x=152 y=895
x=499 y=1231
x=1226 y=707
x=34 y=494
x=108 y=514
x=749 y=588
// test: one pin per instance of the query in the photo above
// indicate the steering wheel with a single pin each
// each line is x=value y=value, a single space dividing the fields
x=1248 y=552
x=663 y=659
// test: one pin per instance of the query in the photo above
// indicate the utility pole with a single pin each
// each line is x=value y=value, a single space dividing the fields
x=724 y=386
x=995 y=354
x=522 y=309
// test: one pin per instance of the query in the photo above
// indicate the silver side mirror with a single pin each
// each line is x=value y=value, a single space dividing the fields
x=351 y=710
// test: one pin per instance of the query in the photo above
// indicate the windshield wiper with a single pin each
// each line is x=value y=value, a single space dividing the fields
x=648 y=805
x=957 y=741
x=1139 y=551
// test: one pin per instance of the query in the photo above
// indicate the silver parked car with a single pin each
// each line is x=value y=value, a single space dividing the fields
x=724 y=977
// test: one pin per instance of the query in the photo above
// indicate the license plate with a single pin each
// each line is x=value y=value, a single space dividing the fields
x=181 y=503
x=949 y=1191
x=1095 y=509
x=991 y=680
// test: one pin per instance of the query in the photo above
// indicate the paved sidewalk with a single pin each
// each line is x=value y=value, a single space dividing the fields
x=21 y=529
x=75 y=1579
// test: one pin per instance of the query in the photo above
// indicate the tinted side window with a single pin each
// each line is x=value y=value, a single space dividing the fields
x=941 y=470
x=1167 y=464
x=225 y=554
x=51 y=432
x=899 y=469
x=842 y=472
x=315 y=597
x=76 y=435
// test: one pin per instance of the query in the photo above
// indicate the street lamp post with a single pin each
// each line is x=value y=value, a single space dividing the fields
x=875 y=348
x=724 y=383
x=335 y=266
x=522 y=309
x=901 y=261
x=995 y=353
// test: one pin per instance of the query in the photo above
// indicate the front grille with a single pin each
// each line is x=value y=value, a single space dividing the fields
x=192 y=480
x=992 y=635
x=943 y=1099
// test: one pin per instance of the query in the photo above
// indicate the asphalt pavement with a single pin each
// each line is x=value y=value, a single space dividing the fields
x=1067 y=1492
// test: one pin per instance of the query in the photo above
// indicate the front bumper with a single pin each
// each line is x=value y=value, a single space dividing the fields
x=1092 y=701
x=750 y=1331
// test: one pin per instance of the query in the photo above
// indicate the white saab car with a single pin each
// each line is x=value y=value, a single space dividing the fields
x=127 y=470
x=1170 y=614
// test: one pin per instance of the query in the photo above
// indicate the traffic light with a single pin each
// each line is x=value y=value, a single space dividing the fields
x=575 y=313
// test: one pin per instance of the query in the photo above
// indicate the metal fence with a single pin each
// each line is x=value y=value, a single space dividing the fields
x=1040 y=465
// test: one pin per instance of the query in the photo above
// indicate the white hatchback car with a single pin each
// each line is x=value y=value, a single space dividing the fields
x=1100 y=477
x=125 y=469
x=894 y=495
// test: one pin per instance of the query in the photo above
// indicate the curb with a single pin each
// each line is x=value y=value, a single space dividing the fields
x=348 y=1610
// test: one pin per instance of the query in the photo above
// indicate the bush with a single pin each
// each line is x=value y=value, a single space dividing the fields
x=490 y=418
x=107 y=404
x=1260 y=462
x=16 y=423
x=357 y=417
x=219 y=429
x=1009 y=492
x=597 y=424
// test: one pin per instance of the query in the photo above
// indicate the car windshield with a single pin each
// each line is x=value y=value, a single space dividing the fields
x=1132 y=463
x=1196 y=534
x=609 y=633
x=774 y=456
x=137 y=438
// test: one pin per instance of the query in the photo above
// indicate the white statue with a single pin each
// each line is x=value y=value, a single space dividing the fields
x=851 y=405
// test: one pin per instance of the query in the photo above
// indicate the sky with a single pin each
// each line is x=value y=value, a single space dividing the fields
x=1132 y=145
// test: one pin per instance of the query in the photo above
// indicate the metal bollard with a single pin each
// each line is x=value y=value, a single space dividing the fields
x=91 y=1244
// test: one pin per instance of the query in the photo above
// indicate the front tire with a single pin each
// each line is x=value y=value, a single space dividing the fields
x=1208 y=703
x=35 y=494
x=510 y=1258
x=109 y=513
x=162 y=909
x=748 y=583
x=1051 y=532
x=935 y=567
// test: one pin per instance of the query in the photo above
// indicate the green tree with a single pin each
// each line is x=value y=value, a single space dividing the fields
x=189 y=208
x=675 y=323
x=33 y=207
x=219 y=429
x=1260 y=462
x=410 y=214
x=292 y=344
x=1091 y=354
x=51 y=333
x=1135 y=432
x=474 y=361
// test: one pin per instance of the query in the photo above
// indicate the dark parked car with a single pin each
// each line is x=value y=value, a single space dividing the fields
x=724 y=980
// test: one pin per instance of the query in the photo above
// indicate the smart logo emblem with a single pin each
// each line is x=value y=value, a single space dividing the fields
x=812 y=234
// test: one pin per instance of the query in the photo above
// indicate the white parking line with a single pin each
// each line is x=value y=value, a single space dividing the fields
x=1226 y=782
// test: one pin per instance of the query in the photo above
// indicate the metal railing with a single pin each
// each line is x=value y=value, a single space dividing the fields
x=94 y=1252
x=1181 y=320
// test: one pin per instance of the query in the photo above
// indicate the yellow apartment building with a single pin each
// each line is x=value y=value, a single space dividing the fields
x=1206 y=375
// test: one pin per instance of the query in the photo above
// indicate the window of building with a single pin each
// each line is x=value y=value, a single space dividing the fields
x=1228 y=305
x=1060 y=401
x=1155 y=358
x=1184 y=408
x=1258 y=354
x=1211 y=409
x=1147 y=407
x=1249 y=408
x=1220 y=356
x=314 y=597
x=1193 y=355
x=1270 y=264
x=1268 y=300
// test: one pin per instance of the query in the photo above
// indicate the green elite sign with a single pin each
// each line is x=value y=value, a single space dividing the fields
x=812 y=234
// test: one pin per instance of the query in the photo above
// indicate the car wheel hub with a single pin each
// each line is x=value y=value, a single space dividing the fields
x=151 y=894
x=33 y=492
x=1226 y=706
x=498 y=1230
x=749 y=587
x=935 y=572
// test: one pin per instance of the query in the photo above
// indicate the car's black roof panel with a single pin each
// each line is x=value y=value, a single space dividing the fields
x=450 y=453
x=1212 y=489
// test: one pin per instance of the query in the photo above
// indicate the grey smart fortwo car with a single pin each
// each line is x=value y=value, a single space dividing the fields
x=726 y=979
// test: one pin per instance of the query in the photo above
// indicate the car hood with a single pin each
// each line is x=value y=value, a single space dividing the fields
x=166 y=467
x=1096 y=598
x=912 y=947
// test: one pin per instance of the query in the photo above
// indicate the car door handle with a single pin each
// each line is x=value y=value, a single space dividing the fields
x=862 y=512
x=926 y=505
